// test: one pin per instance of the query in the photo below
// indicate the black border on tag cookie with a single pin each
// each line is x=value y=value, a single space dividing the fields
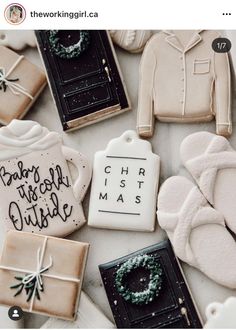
x=168 y=305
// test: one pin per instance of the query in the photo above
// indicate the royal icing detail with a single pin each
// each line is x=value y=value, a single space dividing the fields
x=36 y=189
x=124 y=186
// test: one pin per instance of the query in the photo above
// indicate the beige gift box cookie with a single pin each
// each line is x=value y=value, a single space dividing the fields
x=21 y=82
x=42 y=274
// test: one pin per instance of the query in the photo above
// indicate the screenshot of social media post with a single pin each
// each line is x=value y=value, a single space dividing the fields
x=117 y=165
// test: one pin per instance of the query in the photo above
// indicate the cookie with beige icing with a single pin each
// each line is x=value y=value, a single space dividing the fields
x=211 y=160
x=131 y=40
x=178 y=70
x=192 y=226
x=36 y=189
x=17 y=40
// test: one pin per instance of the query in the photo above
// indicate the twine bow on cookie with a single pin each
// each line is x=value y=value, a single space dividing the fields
x=32 y=281
x=14 y=87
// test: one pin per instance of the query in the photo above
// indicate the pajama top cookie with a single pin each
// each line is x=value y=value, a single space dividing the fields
x=36 y=190
x=124 y=186
x=182 y=79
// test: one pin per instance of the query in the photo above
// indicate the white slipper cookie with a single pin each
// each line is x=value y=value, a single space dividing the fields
x=212 y=162
x=197 y=231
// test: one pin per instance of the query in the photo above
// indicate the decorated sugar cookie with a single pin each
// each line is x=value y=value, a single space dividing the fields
x=131 y=40
x=21 y=83
x=221 y=315
x=42 y=274
x=146 y=289
x=84 y=76
x=124 y=186
x=17 y=40
x=36 y=190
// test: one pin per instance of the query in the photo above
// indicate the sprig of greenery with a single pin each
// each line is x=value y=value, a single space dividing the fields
x=29 y=288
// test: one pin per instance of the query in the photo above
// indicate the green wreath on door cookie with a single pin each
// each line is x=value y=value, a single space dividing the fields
x=155 y=280
x=72 y=51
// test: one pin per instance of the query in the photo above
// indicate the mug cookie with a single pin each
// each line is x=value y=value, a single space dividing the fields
x=36 y=190
x=124 y=185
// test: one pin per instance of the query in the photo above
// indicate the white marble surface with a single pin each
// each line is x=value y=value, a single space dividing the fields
x=107 y=245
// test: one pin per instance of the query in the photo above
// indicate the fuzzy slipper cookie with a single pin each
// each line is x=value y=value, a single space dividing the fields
x=212 y=162
x=197 y=231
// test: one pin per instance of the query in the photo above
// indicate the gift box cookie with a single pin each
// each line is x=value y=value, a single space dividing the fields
x=84 y=75
x=146 y=289
x=36 y=189
x=42 y=274
x=21 y=82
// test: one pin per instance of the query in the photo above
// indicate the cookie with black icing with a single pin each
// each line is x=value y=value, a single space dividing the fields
x=84 y=75
x=146 y=289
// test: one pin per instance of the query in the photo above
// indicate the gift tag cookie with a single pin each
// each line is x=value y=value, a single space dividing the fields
x=17 y=40
x=124 y=185
x=36 y=190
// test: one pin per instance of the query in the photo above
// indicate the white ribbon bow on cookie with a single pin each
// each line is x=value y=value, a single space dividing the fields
x=39 y=274
x=14 y=87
